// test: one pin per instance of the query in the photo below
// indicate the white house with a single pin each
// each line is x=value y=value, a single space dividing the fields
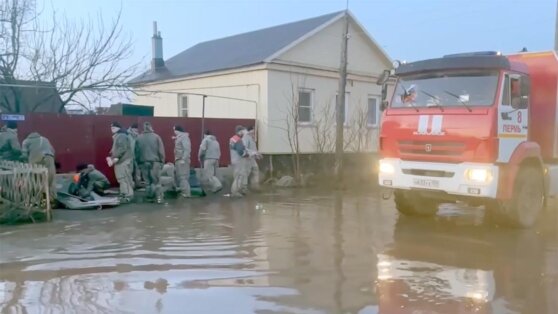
x=285 y=77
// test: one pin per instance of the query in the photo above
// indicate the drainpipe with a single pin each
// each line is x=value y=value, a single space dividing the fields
x=203 y=116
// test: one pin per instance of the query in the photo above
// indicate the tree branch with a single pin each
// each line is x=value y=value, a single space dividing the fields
x=84 y=60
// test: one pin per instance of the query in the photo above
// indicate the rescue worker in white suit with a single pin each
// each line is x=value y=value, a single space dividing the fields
x=240 y=162
x=182 y=151
x=253 y=177
x=209 y=155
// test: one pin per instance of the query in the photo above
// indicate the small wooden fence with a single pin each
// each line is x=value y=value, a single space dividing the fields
x=25 y=187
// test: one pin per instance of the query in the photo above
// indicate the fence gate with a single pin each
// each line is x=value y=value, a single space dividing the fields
x=25 y=187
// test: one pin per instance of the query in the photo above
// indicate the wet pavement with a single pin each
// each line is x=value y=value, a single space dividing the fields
x=280 y=252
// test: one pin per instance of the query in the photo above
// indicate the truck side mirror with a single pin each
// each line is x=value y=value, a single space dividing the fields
x=384 y=77
x=384 y=92
x=384 y=105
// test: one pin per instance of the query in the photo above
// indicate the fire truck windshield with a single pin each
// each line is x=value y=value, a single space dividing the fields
x=447 y=89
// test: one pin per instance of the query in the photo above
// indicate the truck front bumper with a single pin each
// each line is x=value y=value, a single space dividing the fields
x=465 y=179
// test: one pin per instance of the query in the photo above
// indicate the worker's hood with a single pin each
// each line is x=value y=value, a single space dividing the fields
x=119 y=132
x=8 y=130
x=211 y=137
x=34 y=135
x=133 y=132
x=182 y=134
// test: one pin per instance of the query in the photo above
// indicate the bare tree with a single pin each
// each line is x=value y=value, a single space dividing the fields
x=356 y=132
x=289 y=123
x=323 y=128
x=83 y=59
x=323 y=133
x=359 y=133
x=15 y=17
x=292 y=128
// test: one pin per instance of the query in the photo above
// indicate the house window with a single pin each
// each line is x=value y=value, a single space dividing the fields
x=372 y=115
x=345 y=111
x=183 y=106
x=304 y=106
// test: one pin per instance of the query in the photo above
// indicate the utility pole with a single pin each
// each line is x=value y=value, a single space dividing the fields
x=340 y=105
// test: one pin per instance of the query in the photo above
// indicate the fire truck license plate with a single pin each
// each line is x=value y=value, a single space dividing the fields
x=426 y=183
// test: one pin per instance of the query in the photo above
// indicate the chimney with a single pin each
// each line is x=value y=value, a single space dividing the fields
x=157 y=62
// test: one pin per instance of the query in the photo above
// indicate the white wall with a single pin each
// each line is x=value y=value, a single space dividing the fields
x=248 y=85
x=313 y=64
x=281 y=84
x=323 y=49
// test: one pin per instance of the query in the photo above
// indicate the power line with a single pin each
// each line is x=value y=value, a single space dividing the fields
x=182 y=92
x=125 y=88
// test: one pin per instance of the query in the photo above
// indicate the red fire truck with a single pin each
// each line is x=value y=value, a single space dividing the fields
x=480 y=128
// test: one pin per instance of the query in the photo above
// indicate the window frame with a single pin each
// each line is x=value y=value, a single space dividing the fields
x=377 y=107
x=524 y=85
x=311 y=106
x=181 y=108
x=507 y=94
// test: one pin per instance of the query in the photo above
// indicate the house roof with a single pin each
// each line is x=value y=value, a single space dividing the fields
x=33 y=96
x=235 y=51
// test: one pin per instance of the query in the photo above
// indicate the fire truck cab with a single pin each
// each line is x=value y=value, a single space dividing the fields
x=479 y=127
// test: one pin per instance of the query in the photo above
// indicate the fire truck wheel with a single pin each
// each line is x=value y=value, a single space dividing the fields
x=412 y=204
x=527 y=202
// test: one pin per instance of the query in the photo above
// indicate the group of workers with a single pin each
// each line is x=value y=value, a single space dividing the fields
x=135 y=156
x=35 y=149
x=143 y=156
x=140 y=157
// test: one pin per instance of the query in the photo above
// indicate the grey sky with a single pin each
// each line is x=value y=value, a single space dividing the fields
x=406 y=29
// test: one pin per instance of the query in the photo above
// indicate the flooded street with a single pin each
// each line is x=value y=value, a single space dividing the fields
x=280 y=252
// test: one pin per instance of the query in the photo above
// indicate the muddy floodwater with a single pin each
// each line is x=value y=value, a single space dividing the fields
x=278 y=252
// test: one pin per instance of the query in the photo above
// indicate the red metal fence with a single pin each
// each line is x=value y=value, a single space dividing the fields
x=87 y=139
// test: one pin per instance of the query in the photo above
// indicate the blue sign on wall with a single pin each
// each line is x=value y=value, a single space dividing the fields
x=13 y=117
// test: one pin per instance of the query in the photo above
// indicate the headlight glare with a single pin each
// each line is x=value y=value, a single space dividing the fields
x=386 y=168
x=479 y=175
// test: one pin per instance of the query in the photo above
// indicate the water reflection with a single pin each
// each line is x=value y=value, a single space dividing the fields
x=443 y=266
x=304 y=252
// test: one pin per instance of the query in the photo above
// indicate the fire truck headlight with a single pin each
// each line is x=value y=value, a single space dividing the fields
x=479 y=296
x=479 y=175
x=386 y=167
